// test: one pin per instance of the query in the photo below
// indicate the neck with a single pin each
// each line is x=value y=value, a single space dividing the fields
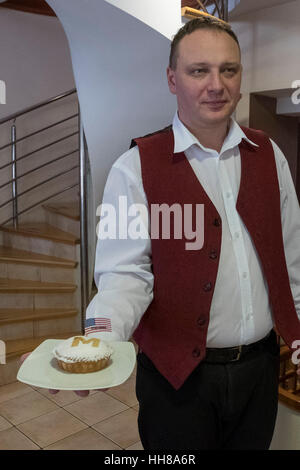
x=210 y=137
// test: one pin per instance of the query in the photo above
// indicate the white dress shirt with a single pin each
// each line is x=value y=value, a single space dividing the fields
x=240 y=312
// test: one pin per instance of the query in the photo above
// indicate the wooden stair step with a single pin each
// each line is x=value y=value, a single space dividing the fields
x=290 y=399
x=12 y=255
x=17 y=347
x=14 y=315
x=69 y=209
x=38 y=287
x=42 y=230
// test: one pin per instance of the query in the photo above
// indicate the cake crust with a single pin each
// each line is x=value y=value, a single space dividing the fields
x=83 y=367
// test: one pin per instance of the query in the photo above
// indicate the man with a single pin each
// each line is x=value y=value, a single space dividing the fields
x=207 y=373
x=190 y=311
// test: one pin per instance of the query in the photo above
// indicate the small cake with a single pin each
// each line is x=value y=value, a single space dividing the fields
x=81 y=354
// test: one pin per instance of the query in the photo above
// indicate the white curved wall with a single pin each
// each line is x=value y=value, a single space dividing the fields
x=162 y=16
x=119 y=67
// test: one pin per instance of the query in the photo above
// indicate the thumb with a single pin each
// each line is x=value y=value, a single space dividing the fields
x=24 y=356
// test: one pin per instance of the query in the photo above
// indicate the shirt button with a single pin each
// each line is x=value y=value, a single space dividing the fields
x=217 y=222
x=245 y=275
x=228 y=195
x=237 y=235
x=213 y=254
x=201 y=321
x=207 y=287
x=196 y=352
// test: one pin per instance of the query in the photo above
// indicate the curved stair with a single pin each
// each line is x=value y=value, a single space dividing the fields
x=39 y=279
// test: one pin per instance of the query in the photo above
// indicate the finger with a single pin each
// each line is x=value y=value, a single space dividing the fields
x=82 y=393
x=24 y=356
x=53 y=391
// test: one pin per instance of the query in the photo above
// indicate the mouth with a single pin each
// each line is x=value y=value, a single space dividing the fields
x=215 y=104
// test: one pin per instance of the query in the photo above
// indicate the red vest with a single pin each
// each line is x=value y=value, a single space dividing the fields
x=173 y=330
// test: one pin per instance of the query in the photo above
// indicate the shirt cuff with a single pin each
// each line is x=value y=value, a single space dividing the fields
x=105 y=335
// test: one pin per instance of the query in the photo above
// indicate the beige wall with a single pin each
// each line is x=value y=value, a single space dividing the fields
x=269 y=41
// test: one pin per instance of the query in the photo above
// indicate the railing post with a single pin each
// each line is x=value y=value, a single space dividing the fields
x=14 y=173
x=225 y=10
x=83 y=223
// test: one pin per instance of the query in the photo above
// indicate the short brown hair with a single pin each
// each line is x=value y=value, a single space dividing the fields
x=204 y=22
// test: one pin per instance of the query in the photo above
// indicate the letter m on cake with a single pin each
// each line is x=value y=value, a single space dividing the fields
x=95 y=341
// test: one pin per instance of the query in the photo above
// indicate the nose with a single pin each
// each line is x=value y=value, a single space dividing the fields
x=215 y=83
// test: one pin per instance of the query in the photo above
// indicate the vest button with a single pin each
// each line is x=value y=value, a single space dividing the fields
x=196 y=352
x=213 y=254
x=217 y=222
x=201 y=321
x=207 y=287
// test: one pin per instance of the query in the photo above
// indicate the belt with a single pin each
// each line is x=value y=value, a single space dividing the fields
x=223 y=355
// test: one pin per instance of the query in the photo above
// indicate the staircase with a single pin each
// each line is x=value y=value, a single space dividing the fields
x=40 y=294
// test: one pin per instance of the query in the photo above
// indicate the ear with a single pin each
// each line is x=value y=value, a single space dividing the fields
x=171 y=80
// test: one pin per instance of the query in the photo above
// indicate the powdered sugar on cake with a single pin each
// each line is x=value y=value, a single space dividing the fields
x=82 y=348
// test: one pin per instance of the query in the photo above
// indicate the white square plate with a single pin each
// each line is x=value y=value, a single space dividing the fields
x=40 y=369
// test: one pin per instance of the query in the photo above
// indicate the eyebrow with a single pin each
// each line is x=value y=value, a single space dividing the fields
x=205 y=64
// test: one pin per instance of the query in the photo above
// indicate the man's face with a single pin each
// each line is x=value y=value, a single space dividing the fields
x=207 y=78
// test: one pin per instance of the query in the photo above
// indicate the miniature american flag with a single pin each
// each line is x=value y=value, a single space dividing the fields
x=92 y=325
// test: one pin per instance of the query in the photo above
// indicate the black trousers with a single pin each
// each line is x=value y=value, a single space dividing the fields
x=220 y=406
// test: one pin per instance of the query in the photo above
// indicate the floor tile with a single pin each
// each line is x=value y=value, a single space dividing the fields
x=121 y=428
x=62 y=398
x=4 y=424
x=88 y=439
x=26 y=407
x=13 y=439
x=51 y=427
x=95 y=408
x=137 y=446
x=13 y=390
x=125 y=392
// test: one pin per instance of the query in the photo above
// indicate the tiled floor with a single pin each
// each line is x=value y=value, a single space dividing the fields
x=32 y=418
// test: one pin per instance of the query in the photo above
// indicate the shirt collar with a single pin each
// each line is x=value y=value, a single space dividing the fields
x=183 y=138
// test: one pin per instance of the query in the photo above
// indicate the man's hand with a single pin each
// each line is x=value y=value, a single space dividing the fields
x=80 y=393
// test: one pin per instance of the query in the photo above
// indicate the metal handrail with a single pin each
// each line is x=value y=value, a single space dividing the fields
x=38 y=131
x=40 y=148
x=82 y=171
x=37 y=106
x=38 y=168
x=41 y=201
x=38 y=184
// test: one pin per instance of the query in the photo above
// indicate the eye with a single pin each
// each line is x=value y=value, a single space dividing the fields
x=230 y=71
x=199 y=71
